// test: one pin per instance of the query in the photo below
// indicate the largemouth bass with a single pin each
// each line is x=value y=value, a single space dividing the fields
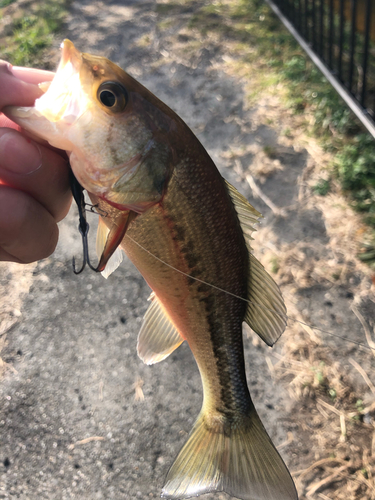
x=188 y=232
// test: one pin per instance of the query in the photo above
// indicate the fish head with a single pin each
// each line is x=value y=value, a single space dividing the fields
x=119 y=136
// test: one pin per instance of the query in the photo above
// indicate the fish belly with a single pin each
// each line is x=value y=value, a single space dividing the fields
x=190 y=248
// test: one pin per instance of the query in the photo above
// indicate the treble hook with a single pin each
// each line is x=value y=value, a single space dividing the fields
x=77 y=191
x=95 y=209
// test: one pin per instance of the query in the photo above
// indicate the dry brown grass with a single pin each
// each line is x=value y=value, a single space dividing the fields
x=334 y=418
x=339 y=427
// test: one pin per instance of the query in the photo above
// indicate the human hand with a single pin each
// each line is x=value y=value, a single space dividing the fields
x=34 y=178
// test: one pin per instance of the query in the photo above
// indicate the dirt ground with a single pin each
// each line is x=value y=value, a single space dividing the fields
x=80 y=416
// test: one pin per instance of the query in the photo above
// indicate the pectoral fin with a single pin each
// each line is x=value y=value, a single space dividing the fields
x=108 y=241
x=117 y=256
x=158 y=337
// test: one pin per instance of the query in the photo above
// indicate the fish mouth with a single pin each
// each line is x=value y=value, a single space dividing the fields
x=63 y=94
x=63 y=99
x=69 y=54
x=63 y=103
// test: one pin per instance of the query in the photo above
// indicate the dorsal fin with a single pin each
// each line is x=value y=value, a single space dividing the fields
x=247 y=214
x=158 y=337
x=266 y=311
x=101 y=239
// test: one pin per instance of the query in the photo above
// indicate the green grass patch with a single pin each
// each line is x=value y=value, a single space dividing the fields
x=31 y=31
x=167 y=8
x=323 y=187
x=275 y=265
x=256 y=36
x=5 y=3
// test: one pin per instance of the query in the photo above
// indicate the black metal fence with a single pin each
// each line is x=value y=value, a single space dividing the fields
x=342 y=34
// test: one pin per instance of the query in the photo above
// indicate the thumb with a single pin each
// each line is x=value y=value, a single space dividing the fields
x=19 y=86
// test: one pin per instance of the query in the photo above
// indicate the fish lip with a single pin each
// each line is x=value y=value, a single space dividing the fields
x=14 y=112
x=62 y=102
x=70 y=56
x=69 y=53
x=61 y=106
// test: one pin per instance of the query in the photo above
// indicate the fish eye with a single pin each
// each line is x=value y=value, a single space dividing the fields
x=113 y=96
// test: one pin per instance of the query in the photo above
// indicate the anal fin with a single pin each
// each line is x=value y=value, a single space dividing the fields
x=158 y=337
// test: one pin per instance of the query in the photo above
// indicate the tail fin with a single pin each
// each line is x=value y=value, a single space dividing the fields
x=241 y=461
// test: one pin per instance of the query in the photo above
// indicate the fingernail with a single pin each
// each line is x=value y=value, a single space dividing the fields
x=9 y=68
x=19 y=72
x=19 y=154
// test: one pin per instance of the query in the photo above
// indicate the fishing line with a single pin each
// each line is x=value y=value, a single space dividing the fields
x=285 y=316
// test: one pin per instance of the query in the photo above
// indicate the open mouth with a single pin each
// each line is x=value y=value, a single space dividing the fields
x=60 y=106
x=63 y=99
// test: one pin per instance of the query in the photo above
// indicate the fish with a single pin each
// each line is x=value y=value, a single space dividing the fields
x=162 y=201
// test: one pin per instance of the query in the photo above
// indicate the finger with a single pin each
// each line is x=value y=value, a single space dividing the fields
x=31 y=75
x=19 y=88
x=28 y=231
x=36 y=170
x=7 y=122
